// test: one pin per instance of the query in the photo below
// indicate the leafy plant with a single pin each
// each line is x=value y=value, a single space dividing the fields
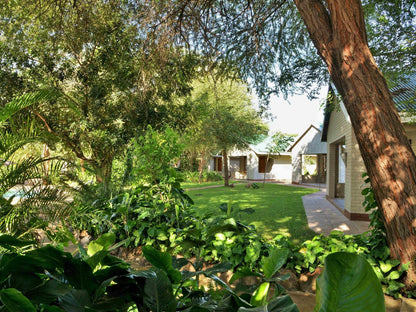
x=269 y=288
x=348 y=283
x=30 y=196
x=153 y=154
x=48 y=279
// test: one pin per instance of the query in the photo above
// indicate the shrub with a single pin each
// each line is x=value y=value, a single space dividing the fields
x=207 y=176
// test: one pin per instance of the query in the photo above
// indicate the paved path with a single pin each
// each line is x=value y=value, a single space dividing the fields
x=324 y=217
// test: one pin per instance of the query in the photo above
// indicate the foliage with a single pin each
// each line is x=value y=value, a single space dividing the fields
x=348 y=283
x=31 y=194
x=280 y=142
x=153 y=155
x=114 y=76
x=312 y=254
x=269 y=287
x=207 y=176
x=222 y=118
x=394 y=50
x=48 y=279
x=146 y=214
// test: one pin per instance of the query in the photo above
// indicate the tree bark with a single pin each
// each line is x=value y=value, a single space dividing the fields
x=225 y=167
x=337 y=29
x=103 y=171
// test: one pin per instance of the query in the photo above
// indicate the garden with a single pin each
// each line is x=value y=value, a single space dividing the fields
x=250 y=231
x=110 y=113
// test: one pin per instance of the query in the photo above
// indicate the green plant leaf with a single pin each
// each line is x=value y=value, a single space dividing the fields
x=274 y=261
x=75 y=300
x=348 y=283
x=15 y=301
x=101 y=243
x=243 y=272
x=8 y=242
x=259 y=296
x=385 y=266
x=162 y=260
x=158 y=293
x=79 y=275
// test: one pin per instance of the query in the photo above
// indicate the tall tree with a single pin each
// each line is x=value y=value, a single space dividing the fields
x=114 y=75
x=338 y=31
x=224 y=118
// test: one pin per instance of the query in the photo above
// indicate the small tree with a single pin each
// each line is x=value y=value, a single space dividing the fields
x=224 y=117
x=279 y=143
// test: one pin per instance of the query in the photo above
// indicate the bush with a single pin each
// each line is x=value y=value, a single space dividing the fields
x=207 y=176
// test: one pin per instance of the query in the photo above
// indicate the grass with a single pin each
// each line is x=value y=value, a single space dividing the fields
x=191 y=185
x=278 y=208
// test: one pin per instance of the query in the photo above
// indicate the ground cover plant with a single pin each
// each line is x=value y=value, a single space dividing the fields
x=278 y=209
x=49 y=279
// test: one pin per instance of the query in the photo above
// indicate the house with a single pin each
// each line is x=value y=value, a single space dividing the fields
x=345 y=166
x=255 y=164
x=307 y=153
x=309 y=157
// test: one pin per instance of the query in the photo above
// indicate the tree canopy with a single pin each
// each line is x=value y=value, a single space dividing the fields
x=113 y=77
x=223 y=117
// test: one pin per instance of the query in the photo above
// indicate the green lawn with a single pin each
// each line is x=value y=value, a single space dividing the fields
x=278 y=208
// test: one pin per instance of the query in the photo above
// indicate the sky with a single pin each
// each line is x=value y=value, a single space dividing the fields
x=296 y=114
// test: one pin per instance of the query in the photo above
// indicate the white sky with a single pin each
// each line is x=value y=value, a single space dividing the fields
x=296 y=114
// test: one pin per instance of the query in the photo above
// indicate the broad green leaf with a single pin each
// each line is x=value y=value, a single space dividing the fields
x=15 y=301
x=274 y=261
x=348 y=283
x=79 y=275
x=101 y=243
x=259 y=297
x=219 y=268
x=162 y=260
x=393 y=275
x=48 y=257
x=48 y=292
x=385 y=266
x=158 y=293
x=48 y=308
x=75 y=300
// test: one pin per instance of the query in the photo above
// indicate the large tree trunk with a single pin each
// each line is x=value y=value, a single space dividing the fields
x=338 y=32
x=225 y=168
x=103 y=171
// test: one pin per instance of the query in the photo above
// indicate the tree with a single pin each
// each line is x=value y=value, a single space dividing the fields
x=338 y=31
x=279 y=143
x=114 y=76
x=224 y=118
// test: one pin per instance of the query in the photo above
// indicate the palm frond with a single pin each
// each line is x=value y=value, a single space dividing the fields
x=26 y=100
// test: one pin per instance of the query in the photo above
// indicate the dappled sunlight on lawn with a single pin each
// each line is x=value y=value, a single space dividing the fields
x=278 y=208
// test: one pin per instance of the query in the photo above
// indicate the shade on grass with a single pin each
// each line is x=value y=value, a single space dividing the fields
x=278 y=208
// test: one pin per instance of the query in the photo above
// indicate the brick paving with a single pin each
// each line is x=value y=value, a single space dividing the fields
x=324 y=217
